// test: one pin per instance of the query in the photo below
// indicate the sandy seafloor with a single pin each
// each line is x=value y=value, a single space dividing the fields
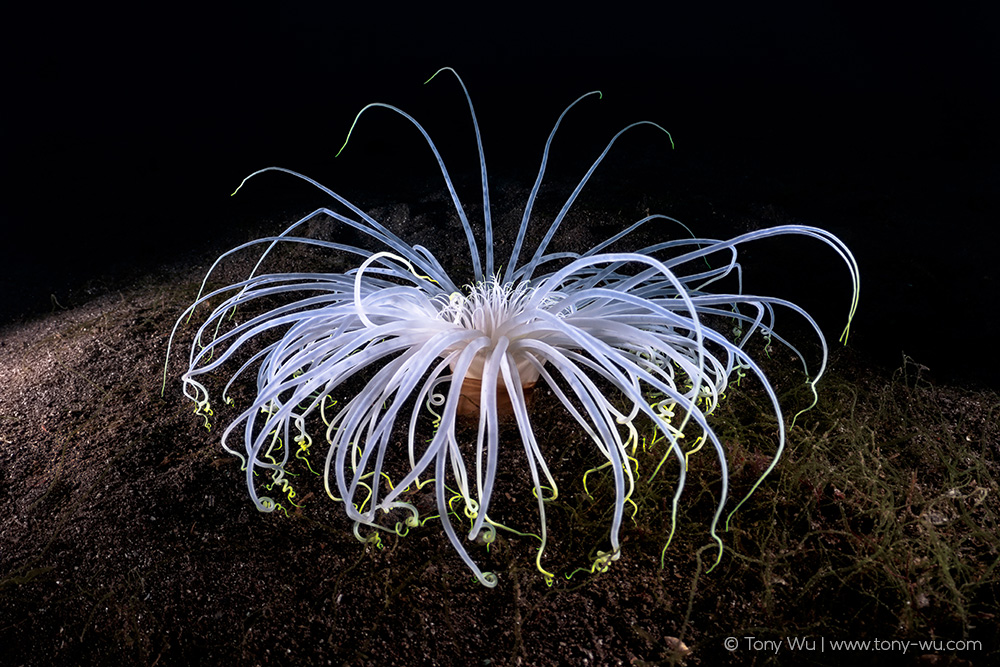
x=129 y=538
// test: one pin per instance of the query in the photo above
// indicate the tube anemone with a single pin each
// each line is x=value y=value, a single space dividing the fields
x=616 y=336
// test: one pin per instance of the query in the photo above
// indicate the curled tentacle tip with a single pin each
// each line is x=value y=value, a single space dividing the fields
x=266 y=504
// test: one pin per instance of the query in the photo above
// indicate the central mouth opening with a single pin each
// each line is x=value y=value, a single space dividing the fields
x=489 y=308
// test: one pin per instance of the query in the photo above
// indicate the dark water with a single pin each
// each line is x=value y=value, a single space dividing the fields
x=121 y=147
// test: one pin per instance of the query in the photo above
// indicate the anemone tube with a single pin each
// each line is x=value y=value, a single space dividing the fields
x=577 y=322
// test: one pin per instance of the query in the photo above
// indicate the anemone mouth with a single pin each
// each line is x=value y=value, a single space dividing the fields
x=495 y=310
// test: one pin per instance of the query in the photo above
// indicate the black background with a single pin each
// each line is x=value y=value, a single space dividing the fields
x=126 y=128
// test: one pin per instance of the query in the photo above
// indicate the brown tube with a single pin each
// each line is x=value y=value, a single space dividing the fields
x=468 y=401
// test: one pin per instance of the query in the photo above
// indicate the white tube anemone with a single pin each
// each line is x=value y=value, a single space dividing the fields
x=379 y=351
